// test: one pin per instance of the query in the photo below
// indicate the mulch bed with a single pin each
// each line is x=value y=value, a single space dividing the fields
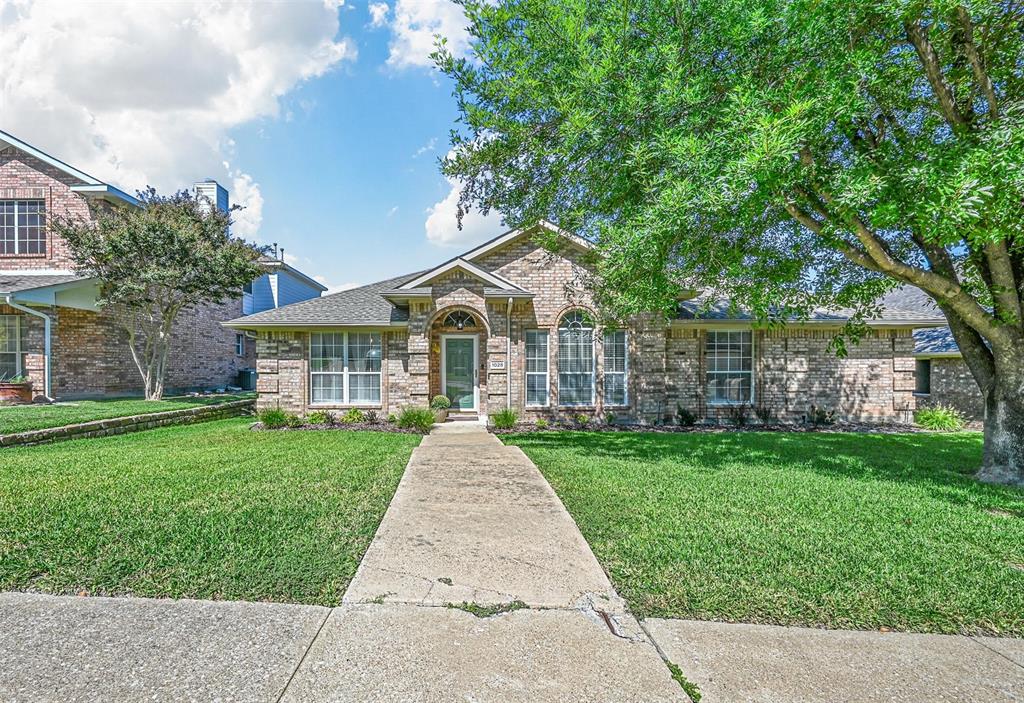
x=858 y=427
x=346 y=426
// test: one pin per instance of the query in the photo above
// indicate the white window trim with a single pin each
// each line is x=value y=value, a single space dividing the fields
x=344 y=373
x=17 y=227
x=18 y=351
x=239 y=344
x=753 y=364
x=593 y=365
x=546 y=373
x=625 y=367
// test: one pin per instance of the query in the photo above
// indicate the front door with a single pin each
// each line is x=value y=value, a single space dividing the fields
x=459 y=371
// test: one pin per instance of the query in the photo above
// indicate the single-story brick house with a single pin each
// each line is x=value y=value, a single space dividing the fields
x=51 y=329
x=511 y=324
x=942 y=375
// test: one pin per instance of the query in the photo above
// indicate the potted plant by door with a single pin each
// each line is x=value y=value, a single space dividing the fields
x=440 y=405
x=16 y=389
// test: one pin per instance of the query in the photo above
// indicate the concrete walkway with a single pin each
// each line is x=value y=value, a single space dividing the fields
x=472 y=521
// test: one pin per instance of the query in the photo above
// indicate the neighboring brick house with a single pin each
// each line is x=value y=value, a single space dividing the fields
x=942 y=375
x=511 y=324
x=47 y=311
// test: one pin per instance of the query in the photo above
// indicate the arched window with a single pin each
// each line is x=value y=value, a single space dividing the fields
x=460 y=319
x=575 y=359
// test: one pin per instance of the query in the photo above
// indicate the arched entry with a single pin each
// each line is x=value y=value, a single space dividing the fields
x=459 y=337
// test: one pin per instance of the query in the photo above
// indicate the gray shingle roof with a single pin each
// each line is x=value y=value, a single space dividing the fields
x=358 y=306
x=905 y=304
x=15 y=282
x=934 y=340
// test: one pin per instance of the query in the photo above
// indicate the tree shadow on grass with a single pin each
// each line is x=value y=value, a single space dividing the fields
x=942 y=464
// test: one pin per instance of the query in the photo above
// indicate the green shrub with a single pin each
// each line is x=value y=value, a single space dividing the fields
x=609 y=418
x=371 y=416
x=940 y=418
x=821 y=416
x=273 y=418
x=685 y=417
x=505 y=419
x=581 y=420
x=320 y=417
x=738 y=414
x=440 y=402
x=542 y=424
x=353 y=415
x=392 y=418
x=293 y=420
x=412 y=417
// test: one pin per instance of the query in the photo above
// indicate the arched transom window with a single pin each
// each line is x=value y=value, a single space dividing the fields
x=460 y=319
x=575 y=359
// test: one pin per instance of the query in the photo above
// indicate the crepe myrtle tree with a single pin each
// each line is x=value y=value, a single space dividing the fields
x=154 y=261
x=785 y=155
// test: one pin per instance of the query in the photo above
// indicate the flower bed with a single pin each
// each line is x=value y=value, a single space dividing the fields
x=379 y=426
x=856 y=427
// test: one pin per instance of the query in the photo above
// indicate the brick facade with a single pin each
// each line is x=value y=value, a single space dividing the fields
x=952 y=384
x=793 y=367
x=90 y=355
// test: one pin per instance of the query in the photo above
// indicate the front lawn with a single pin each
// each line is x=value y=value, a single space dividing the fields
x=21 y=418
x=211 y=510
x=835 y=530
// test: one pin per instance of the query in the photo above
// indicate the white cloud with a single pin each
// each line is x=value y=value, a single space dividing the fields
x=442 y=224
x=392 y=211
x=414 y=26
x=246 y=193
x=378 y=14
x=332 y=288
x=429 y=146
x=146 y=93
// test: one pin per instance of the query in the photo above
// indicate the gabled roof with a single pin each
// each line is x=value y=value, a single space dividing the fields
x=935 y=341
x=89 y=186
x=20 y=281
x=463 y=265
x=512 y=235
x=273 y=264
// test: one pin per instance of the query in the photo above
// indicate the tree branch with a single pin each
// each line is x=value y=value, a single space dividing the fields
x=917 y=34
x=977 y=66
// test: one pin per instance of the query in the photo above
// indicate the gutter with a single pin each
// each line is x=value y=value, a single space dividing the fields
x=9 y=299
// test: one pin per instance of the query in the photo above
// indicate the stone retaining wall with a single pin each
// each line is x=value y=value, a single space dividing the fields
x=133 y=423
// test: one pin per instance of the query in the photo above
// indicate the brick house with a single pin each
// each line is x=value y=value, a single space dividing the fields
x=942 y=374
x=512 y=324
x=51 y=329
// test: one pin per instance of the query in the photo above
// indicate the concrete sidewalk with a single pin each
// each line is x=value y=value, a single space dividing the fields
x=472 y=521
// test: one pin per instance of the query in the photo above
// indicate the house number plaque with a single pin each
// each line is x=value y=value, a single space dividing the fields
x=496 y=365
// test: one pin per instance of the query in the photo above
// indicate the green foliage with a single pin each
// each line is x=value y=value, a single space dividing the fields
x=581 y=420
x=505 y=419
x=691 y=689
x=440 y=402
x=371 y=416
x=738 y=414
x=940 y=418
x=320 y=417
x=487 y=611
x=685 y=417
x=273 y=418
x=818 y=416
x=541 y=423
x=353 y=416
x=609 y=418
x=418 y=418
x=392 y=418
x=155 y=260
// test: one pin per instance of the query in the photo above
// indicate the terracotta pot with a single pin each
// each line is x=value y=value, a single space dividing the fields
x=15 y=392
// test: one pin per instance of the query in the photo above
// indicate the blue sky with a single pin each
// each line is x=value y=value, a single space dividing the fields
x=324 y=118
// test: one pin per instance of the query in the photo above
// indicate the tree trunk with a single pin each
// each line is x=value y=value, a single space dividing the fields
x=1003 y=458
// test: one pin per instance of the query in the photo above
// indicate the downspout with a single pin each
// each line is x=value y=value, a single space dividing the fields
x=46 y=339
x=508 y=355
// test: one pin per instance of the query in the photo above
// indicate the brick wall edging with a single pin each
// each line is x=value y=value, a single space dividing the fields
x=131 y=423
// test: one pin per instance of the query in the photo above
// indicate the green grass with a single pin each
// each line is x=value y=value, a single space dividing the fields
x=836 y=530
x=21 y=418
x=211 y=510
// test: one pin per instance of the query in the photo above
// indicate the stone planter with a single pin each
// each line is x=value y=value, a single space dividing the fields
x=15 y=392
x=440 y=414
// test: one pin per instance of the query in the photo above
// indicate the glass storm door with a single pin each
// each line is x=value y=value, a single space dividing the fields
x=460 y=372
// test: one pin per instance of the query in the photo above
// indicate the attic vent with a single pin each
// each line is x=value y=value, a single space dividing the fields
x=459 y=319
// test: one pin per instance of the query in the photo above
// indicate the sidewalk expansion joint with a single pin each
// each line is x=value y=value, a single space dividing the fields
x=305 y=653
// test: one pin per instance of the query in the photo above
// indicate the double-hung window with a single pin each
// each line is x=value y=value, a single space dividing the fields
x=345 y=368
x=10 y=346
x=22 y=227
x=536 y=367
x=615 y=367
x=575 y=359
x=730 y=363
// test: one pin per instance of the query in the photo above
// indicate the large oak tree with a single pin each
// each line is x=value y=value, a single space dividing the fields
x=783 y=154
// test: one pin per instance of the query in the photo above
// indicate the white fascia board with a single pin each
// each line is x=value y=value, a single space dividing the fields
x=514 y=234
x=466 y=266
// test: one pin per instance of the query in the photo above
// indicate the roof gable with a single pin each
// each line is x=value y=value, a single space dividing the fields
x=459 y=263
x=516 y=234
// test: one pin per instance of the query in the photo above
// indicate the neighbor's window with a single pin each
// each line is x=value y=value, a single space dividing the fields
x=22 y=227
x=536 y=367
x=923 y=377
x=345 y=368
x=10 y=346
x=575 y=359
x=615 y=367
x=240 y=344
x=730 y=363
